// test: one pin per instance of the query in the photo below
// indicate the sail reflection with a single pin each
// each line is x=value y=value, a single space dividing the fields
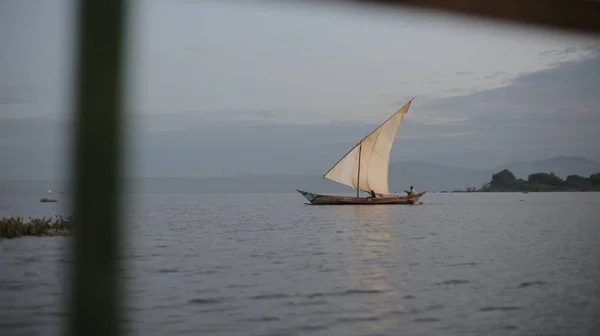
x=372 y=227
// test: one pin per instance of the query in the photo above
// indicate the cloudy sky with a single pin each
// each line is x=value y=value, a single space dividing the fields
x=228 y=87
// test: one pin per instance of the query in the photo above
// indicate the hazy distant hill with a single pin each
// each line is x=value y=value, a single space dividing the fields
x=248 y=183
x=422 y=175
x=438 y=177
x=434 y=177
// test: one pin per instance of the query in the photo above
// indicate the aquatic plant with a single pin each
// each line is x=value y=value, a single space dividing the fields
x=13 y=227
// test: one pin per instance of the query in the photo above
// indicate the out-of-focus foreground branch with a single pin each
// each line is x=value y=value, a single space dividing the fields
x=580 y=16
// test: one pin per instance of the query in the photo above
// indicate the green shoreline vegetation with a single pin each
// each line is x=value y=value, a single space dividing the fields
x=505 y=181
x=13 y=227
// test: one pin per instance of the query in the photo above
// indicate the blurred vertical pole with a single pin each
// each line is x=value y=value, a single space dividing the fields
x=95 y=290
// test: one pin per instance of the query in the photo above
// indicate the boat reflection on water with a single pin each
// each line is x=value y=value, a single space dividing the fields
x=370 y=228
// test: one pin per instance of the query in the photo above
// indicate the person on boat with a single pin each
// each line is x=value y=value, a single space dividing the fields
x=411 y=192
x=373 y=194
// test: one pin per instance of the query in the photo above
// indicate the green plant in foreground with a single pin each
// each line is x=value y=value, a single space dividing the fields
x=13 y=227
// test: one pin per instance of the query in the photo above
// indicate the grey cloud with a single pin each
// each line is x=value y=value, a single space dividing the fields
x=228 y=150
x=547 y=113
x=400 y=101
x=590 y=47
x=193 y=117
x=545 y=91
x=14 y=100
x=549 y=52
x=495 y=75
x=544 y=114
x=556 y=61
x=456 y=90
x=570 y=50
x=264 y=114
x=463 y=73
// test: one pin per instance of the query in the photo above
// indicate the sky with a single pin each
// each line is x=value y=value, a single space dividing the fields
x=220 y=88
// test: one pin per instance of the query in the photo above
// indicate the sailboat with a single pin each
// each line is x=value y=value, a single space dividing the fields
x=365 y=167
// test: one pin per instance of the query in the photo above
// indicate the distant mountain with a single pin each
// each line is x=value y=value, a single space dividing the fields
x=247 y=183
x=421 y=175
x=434 y=177
x=562 y=166
x=402 y=175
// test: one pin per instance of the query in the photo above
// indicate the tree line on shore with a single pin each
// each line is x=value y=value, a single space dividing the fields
x=505 y=180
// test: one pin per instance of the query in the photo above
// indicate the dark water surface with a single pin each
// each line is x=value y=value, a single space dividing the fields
x=460 y=264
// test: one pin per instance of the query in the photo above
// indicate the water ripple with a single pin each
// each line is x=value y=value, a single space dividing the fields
x=202 y=301
x=228 y=264
x=505 y=308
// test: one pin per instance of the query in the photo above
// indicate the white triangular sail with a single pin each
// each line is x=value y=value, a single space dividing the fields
x=366 y=165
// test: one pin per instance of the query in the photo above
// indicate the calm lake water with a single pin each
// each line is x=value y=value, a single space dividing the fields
x=460 y=264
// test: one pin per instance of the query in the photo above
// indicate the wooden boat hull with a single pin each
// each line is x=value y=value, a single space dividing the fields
x=316 y=199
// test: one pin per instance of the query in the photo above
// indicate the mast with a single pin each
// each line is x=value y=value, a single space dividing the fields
x=358 y=175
